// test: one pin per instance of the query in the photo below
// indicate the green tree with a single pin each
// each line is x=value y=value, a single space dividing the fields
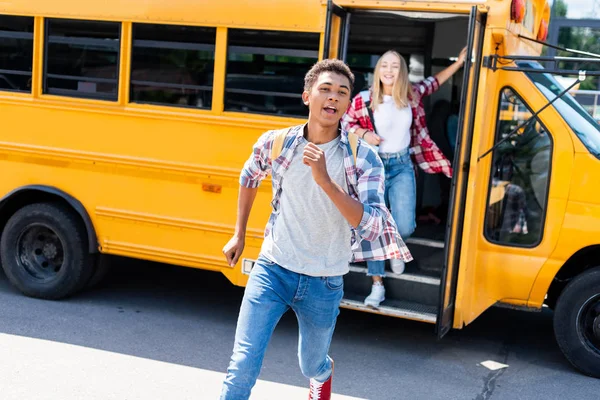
x=559 y=8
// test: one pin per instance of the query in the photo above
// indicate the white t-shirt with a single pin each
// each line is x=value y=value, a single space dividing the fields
x=310 y=235
x=393 y=125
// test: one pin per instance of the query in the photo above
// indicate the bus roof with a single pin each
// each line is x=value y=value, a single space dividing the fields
x=305 y=15
x=291 y=15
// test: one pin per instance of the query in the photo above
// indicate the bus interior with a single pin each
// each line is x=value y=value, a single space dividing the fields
x=429 y=42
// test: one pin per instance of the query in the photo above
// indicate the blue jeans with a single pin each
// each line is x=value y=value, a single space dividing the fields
x=400 y=197
x=270 y=292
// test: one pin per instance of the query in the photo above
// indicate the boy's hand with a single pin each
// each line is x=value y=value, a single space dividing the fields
x=314 y=157
x=233 y=249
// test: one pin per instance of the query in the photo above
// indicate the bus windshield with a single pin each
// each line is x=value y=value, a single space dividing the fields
x=582 y=123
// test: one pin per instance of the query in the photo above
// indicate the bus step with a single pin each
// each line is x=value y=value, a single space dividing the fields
x=437 y=244
x=410 y=286
x=428 y=255
x=394 y=308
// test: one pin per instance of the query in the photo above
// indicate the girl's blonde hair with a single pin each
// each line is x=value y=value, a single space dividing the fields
x=402 y=90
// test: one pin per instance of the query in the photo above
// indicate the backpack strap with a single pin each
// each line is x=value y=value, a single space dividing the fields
x=366 y=96
x=353 y=139
x=278 y=143
x=371 y=116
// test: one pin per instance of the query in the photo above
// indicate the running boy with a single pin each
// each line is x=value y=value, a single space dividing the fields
x=327 y=211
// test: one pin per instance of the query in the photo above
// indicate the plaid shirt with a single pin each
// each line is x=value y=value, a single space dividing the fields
x=424 y=151
x=376 y=237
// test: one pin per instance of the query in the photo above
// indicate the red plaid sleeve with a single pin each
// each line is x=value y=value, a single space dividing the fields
x=357 y=115
x=425 y=152
x=430 y=158
x=427 y=86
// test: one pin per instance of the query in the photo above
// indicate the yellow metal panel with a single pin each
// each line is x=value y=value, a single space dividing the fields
x=38 y=57
x=334 y=44
x=482 y=128
x=586 y=178
x=456 y=6
x=302 y=15
x=125 y=63
x=581 y=221
x=220 y=70
x=491 y=272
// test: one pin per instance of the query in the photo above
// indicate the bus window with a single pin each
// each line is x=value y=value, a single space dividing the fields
x=82 y=59
x=265 y=71
x=582 y=123
x=172 y=65
x=520 y=176
x=16 y=53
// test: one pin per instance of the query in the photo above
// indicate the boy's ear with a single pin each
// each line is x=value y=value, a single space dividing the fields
x=305 y=95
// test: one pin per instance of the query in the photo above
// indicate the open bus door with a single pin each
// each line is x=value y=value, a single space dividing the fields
x=337 y=29
x=454 y=227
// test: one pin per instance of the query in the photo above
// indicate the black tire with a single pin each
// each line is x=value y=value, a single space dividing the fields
x=44 y=251
x=577 y=322
x=102 y=267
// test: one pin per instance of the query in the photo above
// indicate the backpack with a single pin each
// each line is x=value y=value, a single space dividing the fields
x=282 y=133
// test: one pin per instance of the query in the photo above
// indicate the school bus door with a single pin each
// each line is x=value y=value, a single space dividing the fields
x=456 y=213
x=337 y=29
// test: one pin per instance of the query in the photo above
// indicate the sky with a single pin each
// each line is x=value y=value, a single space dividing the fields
x=583 y=8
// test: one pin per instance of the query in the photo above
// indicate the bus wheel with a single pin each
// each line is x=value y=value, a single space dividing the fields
x=44 y=251
x=577 y=322
x=102 y=267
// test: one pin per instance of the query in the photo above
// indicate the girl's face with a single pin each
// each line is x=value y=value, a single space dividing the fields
x=389 y=69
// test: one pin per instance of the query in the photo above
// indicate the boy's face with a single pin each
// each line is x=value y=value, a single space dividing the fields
x=328 y=99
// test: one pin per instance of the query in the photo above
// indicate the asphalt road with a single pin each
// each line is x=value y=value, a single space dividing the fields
x=161 y=332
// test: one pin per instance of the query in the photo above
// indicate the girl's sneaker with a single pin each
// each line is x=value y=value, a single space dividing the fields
x=397 y=266
x=376 y=297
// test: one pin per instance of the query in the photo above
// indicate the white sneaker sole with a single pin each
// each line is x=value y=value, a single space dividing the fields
x=374 y=303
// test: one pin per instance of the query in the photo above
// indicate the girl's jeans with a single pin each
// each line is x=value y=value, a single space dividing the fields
x=400 y=197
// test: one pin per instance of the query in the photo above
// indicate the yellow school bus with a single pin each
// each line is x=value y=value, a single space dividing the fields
x=125 y=126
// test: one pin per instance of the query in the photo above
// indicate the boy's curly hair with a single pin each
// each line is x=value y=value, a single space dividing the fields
x=328 y=65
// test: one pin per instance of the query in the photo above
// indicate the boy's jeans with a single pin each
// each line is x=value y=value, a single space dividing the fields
x=270 y=292
x=400 y=197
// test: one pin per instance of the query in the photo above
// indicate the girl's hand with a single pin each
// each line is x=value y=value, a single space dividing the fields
x=372 y=138
x=462 y=56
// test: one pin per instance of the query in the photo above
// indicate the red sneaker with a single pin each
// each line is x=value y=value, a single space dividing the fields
x=321 y=391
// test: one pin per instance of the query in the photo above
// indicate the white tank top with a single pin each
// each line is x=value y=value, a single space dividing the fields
x=393 y=125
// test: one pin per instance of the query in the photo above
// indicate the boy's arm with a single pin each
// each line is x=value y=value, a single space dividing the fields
x=365 y=215
x=256 y=168
x=351 y=209
x=234 y=248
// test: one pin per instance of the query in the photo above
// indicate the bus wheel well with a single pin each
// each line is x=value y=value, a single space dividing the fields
x=24 y=196
x=584 y=259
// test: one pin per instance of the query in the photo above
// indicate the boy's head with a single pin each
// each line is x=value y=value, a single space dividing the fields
x=327 y=91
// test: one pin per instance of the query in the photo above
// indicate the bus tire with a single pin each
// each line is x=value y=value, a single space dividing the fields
x=577 y=322
x=44 y=251
x=102 y=267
